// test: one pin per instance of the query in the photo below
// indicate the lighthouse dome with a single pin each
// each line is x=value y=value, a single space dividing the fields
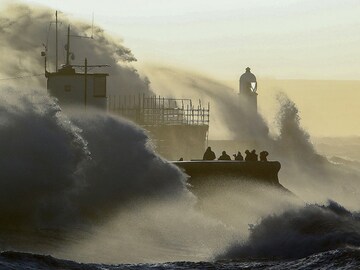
x=248 y=77
x=248 y=82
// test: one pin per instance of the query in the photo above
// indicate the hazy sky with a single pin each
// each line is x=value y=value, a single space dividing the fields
x=311 y=39
x=283 y=39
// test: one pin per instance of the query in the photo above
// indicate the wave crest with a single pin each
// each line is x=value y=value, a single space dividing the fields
x=298 y=233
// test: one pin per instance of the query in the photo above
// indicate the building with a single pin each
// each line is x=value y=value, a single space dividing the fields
x=247 y=90
x=73 y=88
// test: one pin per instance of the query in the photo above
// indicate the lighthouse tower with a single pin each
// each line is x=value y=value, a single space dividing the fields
x=247 y=90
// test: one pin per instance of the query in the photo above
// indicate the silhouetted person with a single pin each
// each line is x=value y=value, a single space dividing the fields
x=238 y=156
x=263 y=156
x=181 y=159
x=247 y=155
x=209 y=155
x=254 y=156
x=224 y=156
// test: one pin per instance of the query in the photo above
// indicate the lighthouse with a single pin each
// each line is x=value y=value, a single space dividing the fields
x=247 y=90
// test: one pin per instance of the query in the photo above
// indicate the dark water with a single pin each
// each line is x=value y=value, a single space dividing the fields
x=346 y=258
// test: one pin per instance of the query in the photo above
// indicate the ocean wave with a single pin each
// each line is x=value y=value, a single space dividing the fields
x=60 y=172
x=299 y=233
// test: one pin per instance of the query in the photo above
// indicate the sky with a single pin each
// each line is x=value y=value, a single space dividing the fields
x=278 y=39
x=291 y=39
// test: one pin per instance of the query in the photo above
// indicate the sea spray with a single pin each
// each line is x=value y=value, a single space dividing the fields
x=27 y=30
x=41 y=157
x=229 y=115
x=122 y=165
x=152 y=230
x=62 y=174
x=310 y=175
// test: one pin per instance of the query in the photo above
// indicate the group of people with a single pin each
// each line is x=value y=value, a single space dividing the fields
x=249 y=156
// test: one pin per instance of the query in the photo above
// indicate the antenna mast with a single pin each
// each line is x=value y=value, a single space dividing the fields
x=56 y=38
x=68 y=47
x=85 y=83
x=92 y=26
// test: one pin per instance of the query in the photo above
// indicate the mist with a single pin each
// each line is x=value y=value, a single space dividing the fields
x=228 y=118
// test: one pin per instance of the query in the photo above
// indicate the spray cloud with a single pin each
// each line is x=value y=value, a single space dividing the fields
x=24 y=29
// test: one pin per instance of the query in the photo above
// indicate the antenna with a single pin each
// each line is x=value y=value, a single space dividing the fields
x=92 y=26
x=56 y=41
x=85 y=84
x=68 y=46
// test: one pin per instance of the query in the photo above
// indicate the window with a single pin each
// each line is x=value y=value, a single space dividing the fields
x=67 y=87
x=100 y=86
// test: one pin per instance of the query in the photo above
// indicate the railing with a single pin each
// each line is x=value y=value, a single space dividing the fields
x=155 y=110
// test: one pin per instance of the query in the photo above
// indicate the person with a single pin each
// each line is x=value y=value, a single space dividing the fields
x=224 y=156
x=209 y=154
x=254 y=156
x=238 y=156
x=181 y=159
x=247 y=155
x=263 y=155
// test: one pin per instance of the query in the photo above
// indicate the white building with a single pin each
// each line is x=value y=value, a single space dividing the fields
x=78 y=89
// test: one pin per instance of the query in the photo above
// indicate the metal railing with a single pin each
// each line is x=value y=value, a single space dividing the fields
x=157 y=110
